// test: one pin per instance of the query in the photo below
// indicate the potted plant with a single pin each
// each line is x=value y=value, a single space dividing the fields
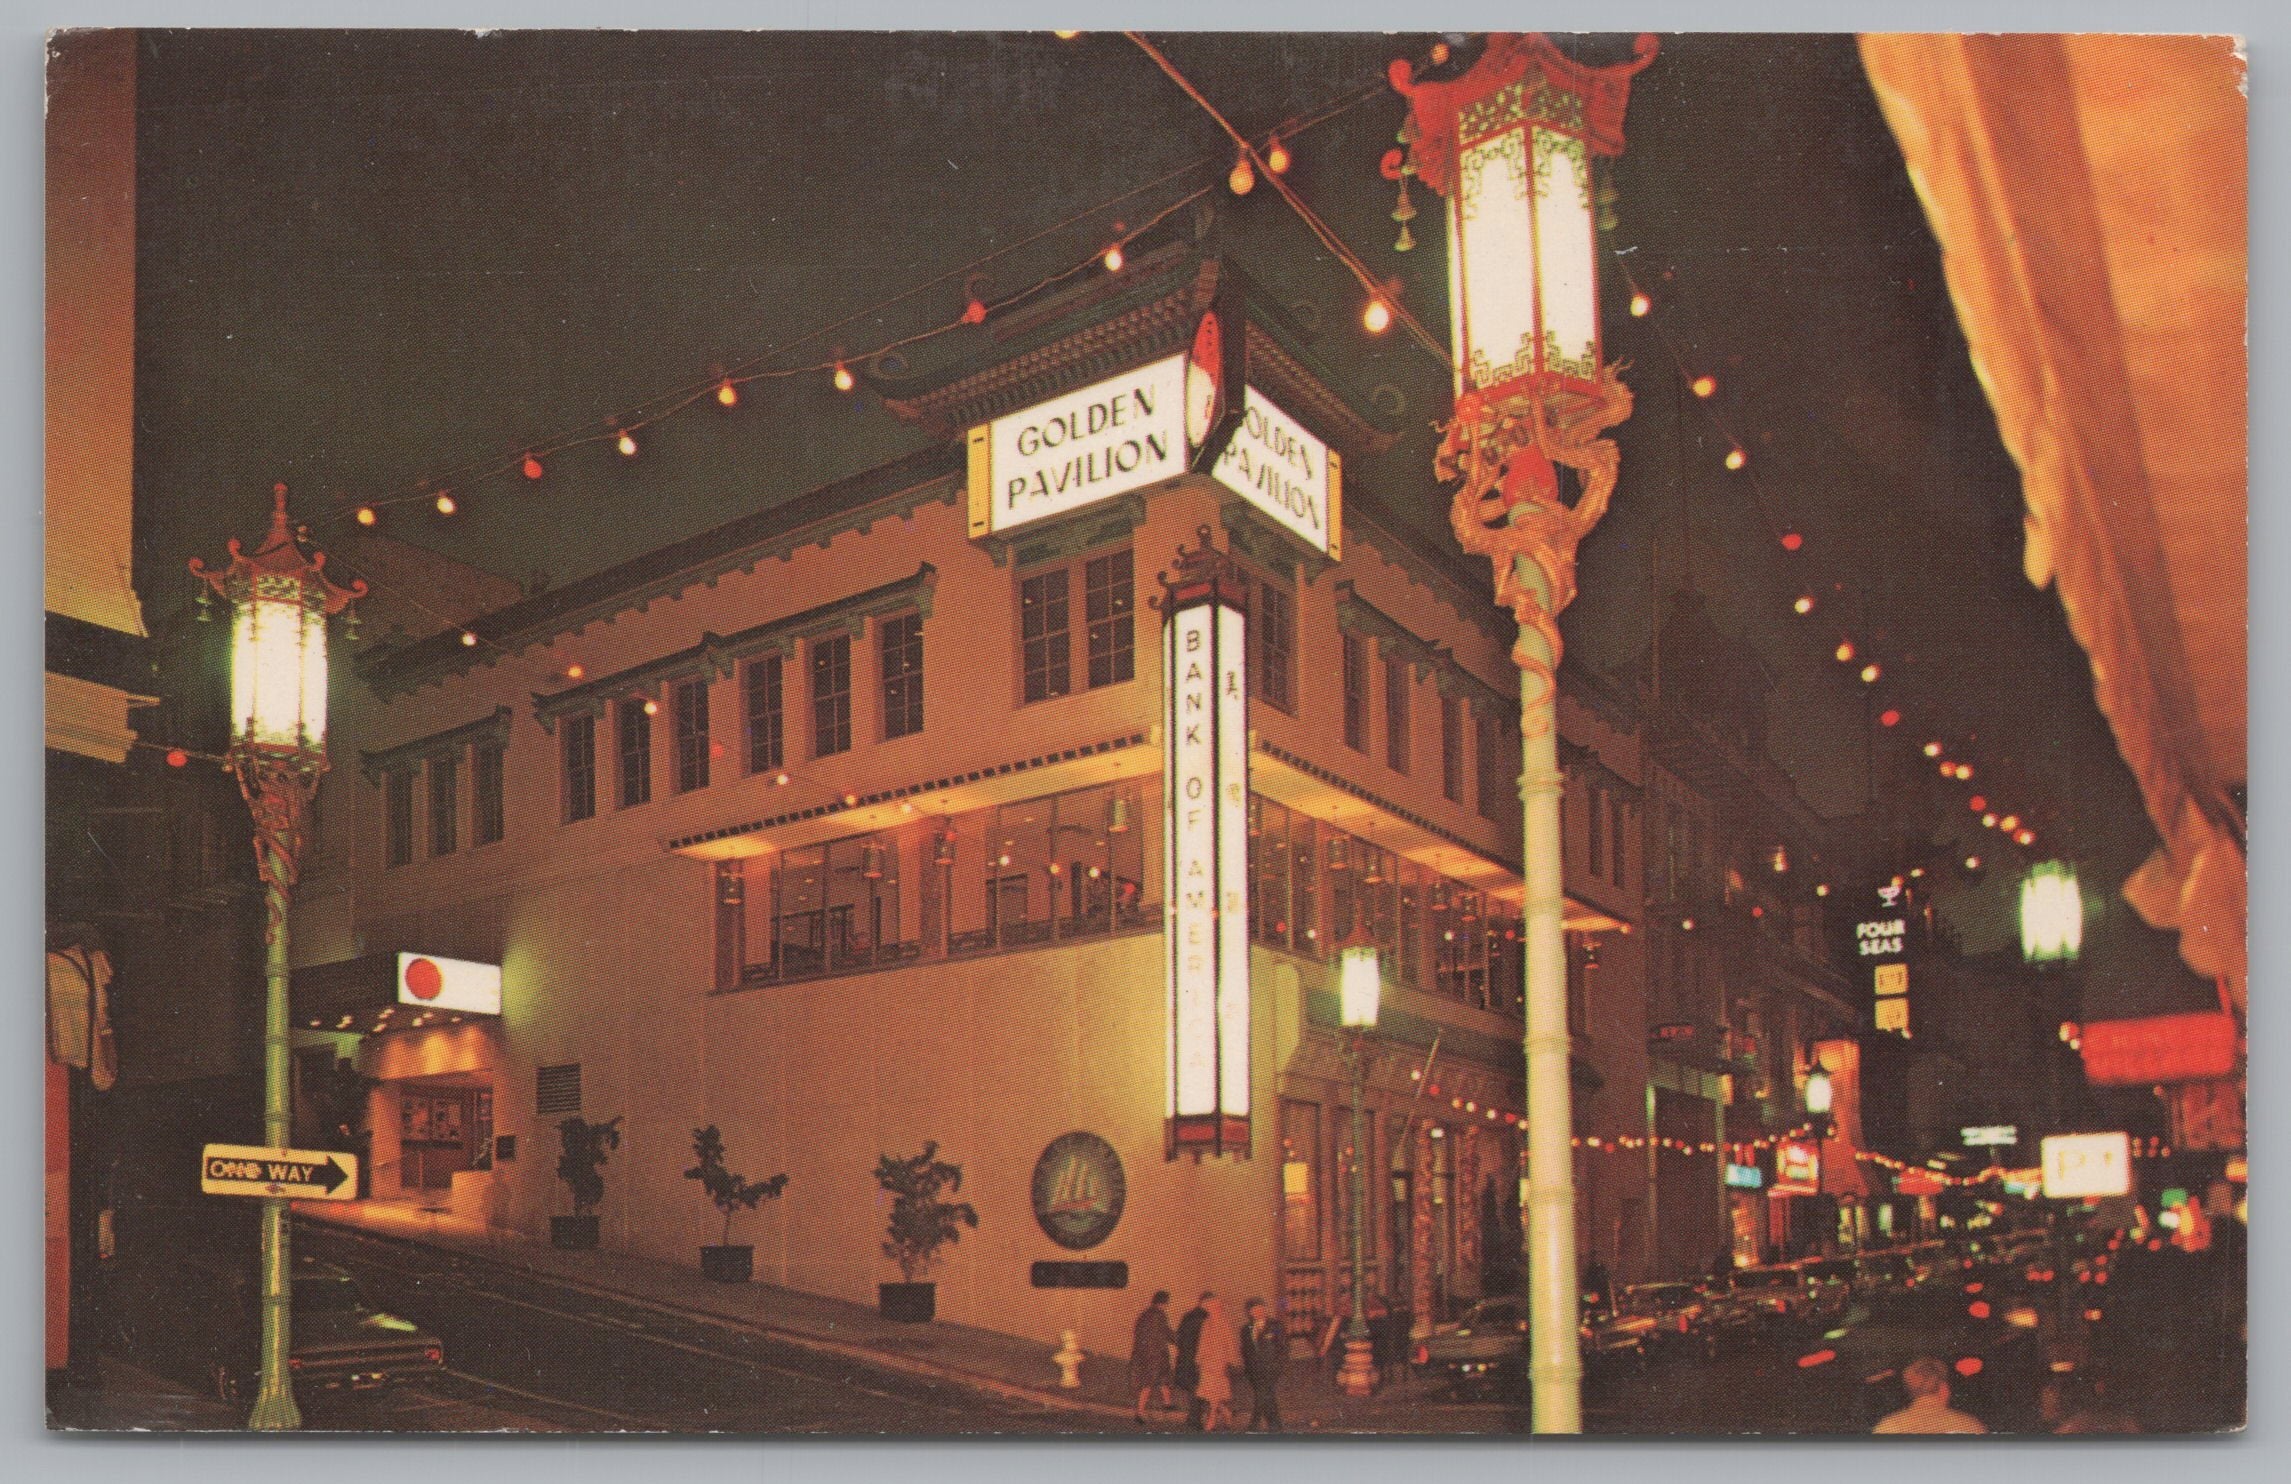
x=585 y=1146
x=725 y=1262
x=921 y=1224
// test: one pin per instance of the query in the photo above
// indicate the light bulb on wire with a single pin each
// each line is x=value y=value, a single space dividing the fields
x=627 y=446
x=1113 y=258
x=1804 y=605
x=1845 y=651
x=1243 y=177
x=367 y=515
x=1276 y=156
x=1869 y=674
x=843 y=378
x=1704 y=386
x=1736 y=458
x=1791 y=540
x=1376 y=318
x=727 y=395
x=532 y=467
x=1640 y=305
x=445 y=503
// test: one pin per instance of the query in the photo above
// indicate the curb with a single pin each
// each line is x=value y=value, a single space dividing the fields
x=803 y=1339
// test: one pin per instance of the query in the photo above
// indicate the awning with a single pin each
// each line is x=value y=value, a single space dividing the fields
x=2089 y=195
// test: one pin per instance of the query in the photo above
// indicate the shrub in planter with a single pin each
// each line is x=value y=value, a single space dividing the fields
x=731 y=1194
x=585 y=1147
x=921 y=1223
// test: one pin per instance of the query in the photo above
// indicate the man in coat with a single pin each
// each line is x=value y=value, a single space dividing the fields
x=1264 y=1355
x=1188 y=1373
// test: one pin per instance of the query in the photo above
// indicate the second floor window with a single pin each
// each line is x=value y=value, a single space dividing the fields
x=691 y=700
x=901 y=639
x=1355 y=693
x=1273 y=646
x=485 y=793
x=1046 y=625
x=1108 y=603
x=635 y=753
x=1396 y=715
x=1452 y=749
x=767 y=716
x=1615 y=838
x=445 y=803
x=1595 y=853
x=1044 y=621
x=398 y=815
x=1500 y=765
x=831 y=695
x=581 y=767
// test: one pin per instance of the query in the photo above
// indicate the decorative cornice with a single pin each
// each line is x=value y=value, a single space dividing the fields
x=493 y=728
x=719 y=654
x=1360 y=616
x=1070 y=536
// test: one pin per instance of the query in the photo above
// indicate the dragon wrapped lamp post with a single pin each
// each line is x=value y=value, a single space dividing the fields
x=1510 y=145
x=280 y=600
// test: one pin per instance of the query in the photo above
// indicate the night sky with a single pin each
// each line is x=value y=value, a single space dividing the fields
x=369 y=260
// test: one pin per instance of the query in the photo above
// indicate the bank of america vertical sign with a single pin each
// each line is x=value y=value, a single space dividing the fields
x=1206 y=850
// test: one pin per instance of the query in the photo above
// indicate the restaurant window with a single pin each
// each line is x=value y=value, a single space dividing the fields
x=445 y=804
x=1109 y=607
x=1300 y=1181
x=690 y=699
x=767 y=715
x=398 y=815
x=1396 y=715
x=580 y=766
x=825 y=909
x=1595 y=847
x=901 y=642
x=1304 y=884
x=830 y=695
x=1499 y=765
x=1415 y=908
x=486 y=768
x=634 y=751
x=1045 y=622
x=1355 y=693
x=1269 y=872
x=1452 y=749
x=1273 y=630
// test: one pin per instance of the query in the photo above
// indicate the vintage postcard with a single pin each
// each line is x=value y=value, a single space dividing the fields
x=1145 y=734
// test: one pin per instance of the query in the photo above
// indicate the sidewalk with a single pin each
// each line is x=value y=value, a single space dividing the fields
x=959 y=1354
x=127 y=1398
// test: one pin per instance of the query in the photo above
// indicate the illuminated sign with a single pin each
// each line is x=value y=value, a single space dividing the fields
x=1916 y=1182
x=1054 y=458
x=1797 y=1168
x=1671 y=1032
x=2159 y=1048
x=433 y=983
x=1295 y=479
x=1893 y=1015
x=1206 y=836
x=1990 y=1135
x=1892 y=979
x=2081 y=1166
x=1881 y=937
x=2027 y=1184
x=1745 y=1177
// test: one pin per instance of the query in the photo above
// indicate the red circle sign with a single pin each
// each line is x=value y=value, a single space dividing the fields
x=424 y=979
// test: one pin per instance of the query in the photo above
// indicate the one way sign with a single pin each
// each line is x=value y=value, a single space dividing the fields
x=292 y=1174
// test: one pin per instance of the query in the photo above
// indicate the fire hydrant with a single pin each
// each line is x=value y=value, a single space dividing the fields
x=1069 y=1361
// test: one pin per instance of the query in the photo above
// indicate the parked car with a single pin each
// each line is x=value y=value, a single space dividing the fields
x=1892 y=1271
x=1759 y=1298
x=1679 y=1315
x=1829 y=1289
x=1486 y=1350
x=198 y=1319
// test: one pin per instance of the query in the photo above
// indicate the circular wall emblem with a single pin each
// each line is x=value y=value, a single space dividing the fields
x=1078 y=1190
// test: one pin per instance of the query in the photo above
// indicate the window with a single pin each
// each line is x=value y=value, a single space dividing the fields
x=1595 y=851
x=690 y=699
x=581 y=767
x=1355 y=693
x=767 y=721
x=1396 y=715
x=445 y=804
x=1043 y=625
x=398 y=812
x=1300 y=1181
x=1615 y=837
x=1582 y=960
x=1500 y=765
x=831 y=695
x=1452 y=749
x=635 y=753
x=1109 y=605
x=485 y=793
x=901 y=640
x=1273 y=627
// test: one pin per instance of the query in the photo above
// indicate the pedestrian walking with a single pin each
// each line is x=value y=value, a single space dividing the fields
x=1153 y=1348
x=1188 y=1370
x=1264 y=1355
x=1218 y=1356
x=1927 y=1382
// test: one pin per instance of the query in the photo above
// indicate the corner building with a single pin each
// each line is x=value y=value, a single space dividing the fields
x=851 y=833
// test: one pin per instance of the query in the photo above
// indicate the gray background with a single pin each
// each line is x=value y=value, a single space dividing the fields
x=27 y=1452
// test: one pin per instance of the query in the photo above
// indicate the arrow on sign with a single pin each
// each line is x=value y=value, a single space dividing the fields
x=303 y=1174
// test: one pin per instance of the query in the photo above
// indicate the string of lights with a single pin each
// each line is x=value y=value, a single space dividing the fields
x=2015 y=827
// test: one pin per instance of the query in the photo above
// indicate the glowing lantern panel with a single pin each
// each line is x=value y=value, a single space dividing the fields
x=2052 y=914
x=278 y=667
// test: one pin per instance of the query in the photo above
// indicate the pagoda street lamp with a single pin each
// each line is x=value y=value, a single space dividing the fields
x=280 y=600
x=1359 y=986
x=1510 y=145
x=2052 y=914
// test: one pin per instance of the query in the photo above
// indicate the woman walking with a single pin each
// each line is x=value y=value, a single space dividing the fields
x=1218 y=1355
x=1152 y=1344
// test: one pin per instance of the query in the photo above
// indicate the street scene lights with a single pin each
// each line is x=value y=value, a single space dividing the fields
x=1818 y=1092
x=2052 y=914
x=1359 y=987
x=280 y=599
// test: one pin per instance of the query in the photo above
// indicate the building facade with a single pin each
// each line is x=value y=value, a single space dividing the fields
x=855 y=824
